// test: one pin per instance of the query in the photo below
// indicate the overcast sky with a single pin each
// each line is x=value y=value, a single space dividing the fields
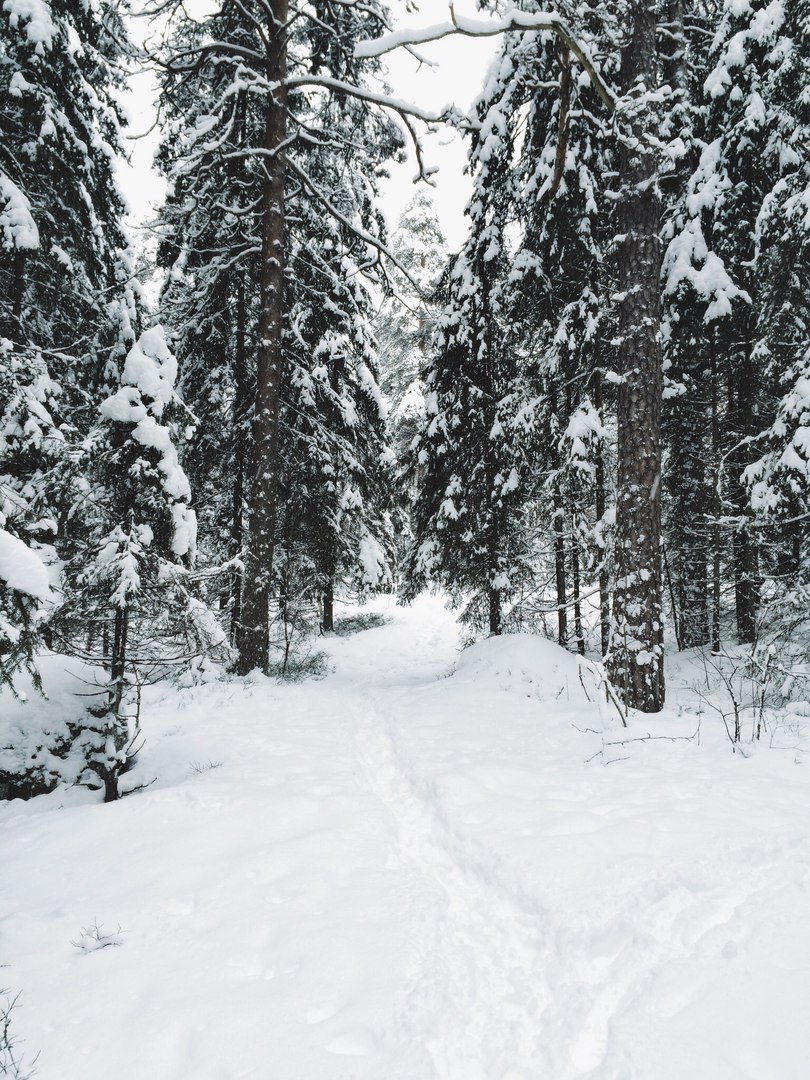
x=457 y=78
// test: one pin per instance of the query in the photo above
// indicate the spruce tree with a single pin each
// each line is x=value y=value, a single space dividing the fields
x=67 y=297
x=560 y=322
x=143 y=532
x=407 y=318
x=266 y=152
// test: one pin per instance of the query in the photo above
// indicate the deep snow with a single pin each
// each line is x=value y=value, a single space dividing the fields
x=422 y=866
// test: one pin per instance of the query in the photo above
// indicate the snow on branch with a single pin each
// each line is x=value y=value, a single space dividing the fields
x=515 y=20
x=364 y=94
x=360 y=233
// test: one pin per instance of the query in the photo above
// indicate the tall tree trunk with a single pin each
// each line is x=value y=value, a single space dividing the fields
x=688 y=533
x=744 y=545
x=600 y=498
x=495 y=623
x=579 y=636
x=116 y=727
x=328 y=601
x=559 y=567
x=716 y=535
x=636 y=657
x=558 y=507
x=329 y=553
x=240 y=453
x=254 y=635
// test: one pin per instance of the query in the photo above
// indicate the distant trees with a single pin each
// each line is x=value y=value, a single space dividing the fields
x=406 y=320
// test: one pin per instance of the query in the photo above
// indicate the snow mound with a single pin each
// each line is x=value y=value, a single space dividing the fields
x=529 y=664
x=41 y=736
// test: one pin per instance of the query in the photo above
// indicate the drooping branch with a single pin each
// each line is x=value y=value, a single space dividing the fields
x=515 y=20
x=360 y=233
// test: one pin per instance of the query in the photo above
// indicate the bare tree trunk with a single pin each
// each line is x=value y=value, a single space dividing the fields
x=495 y=622
x=600 y=507
x=636 y=656
x=238 y=505
x=575 y=573
x=254 y=635
x=328 y=601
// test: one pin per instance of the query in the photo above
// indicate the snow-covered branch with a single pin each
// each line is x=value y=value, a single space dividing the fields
x=514 y=21
x=356 y=230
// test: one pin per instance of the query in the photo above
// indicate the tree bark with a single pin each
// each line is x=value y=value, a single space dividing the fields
x=238 y=504
x=744 y=545
x=494 y=611
x=559 y=529
x=716 y=537
x=579 y=635
x=254 y=634
x=600 y=498
x=328 y=601
x=636 y=657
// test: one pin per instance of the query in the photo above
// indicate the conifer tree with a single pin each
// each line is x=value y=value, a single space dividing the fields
x=407 y=319
x=67 y=298
x=466 y=515
x=777 y=479
x=557 y=288
x=692 y=457
x=143 y=530
x=279 y=119
x=729 y=271
x=32 y=457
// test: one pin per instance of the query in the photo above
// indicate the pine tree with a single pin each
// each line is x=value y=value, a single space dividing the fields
x=777 y=480
x=144 y=529
x=725 y=272
x=67 y=299
x=692 y=459
x=557 y=289
x=30 y=451
x=273 y=162
x=337 y=469
x=636 y=658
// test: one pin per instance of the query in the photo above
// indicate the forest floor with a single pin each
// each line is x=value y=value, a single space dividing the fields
x=428 y=865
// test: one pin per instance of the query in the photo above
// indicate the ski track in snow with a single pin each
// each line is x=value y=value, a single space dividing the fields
x=477 y=986
x=399 y=876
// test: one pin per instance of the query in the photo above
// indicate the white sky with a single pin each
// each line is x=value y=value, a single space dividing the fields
x=457 y=79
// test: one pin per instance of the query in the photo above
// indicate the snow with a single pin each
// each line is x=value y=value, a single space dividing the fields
x=424 y=867
x=148 y=378
x=39 y=26
x=22 y=569
x=32 y=727
x=17 y=226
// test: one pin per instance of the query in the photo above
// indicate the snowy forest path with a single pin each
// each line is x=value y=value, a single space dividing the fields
x=507 y=977
x=476 y=987
x=416 y=868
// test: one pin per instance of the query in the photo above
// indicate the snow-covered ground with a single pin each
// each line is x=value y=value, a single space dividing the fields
x=423 y=866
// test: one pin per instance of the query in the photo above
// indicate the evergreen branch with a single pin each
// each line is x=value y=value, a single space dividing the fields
x=359 y=233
